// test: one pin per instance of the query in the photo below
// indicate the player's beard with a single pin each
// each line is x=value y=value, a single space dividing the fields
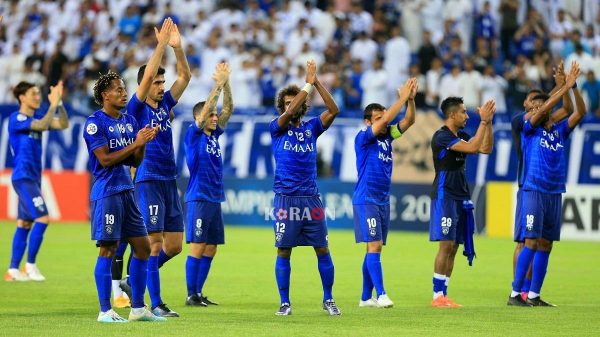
x=298 y=117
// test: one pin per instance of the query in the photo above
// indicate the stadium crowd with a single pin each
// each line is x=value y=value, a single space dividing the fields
x=481 y=50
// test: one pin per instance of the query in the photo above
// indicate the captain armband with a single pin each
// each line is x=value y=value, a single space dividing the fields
x=395 y=131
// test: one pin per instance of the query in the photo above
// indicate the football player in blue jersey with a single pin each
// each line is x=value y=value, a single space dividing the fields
x=155 y=184
x=371 y=199
x=114 y=144
x=544 y=177
x=25 y=138
x=516 y=128
x=299 y=213
x=451 y=221
x=204 y=220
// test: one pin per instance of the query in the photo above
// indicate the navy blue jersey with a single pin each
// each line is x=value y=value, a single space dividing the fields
x=374 y=165
x=104 y=130
x=159 y=160
x=544 y=162
x=516 y=128
x=26 y=147
x=450 y=179
x=205 y=162
x=295 y=152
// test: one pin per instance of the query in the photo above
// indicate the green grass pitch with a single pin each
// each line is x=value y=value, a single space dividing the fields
x=242 y=280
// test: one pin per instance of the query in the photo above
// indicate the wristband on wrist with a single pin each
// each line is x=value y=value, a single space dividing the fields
x=574 y=86
x=308 y=88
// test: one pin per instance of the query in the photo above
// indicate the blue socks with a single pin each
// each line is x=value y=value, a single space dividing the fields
x=439 y=283
x=154 y=281
x=538 y=273
x=163 y=258
x=137 y=279
x=203 y=269
x=191 y=274
x=526 y=285
x=523 y=262
x=282 y=274
x=367 y=291
x=35 y=240
x=376 y=272
x=18 y=246
x=103 y=282
x=326 y=270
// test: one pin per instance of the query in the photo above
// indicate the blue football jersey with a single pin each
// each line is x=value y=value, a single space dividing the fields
x=450 y=179
x=205 y=162
x=295 y=152
x=159 y=160
x=26 y=147
x=517 y=128
x=374 y=165
x=544 y=161
x=104 y=130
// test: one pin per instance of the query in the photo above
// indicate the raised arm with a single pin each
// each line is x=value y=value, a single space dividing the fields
x=227 y=109
x=220 y=76
x=44 y=123
x=311 y=76
x=488 y=139
x=184 y=74
x=327 y=116
x=538 y=116
x=108 y=159
x=474 y=144
x=62 y=122
x=152 y=67
x=409 y=117
x=567 y=108
x=390 y=114
x=580 y=110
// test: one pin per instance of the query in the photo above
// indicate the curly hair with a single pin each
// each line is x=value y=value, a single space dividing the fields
x=103 y=83
x=290 y=90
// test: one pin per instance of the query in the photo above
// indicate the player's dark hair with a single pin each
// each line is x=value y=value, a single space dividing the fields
x=198 y=109
x=541 y=97
x=370 y=108
x=450 y=104
x=21 y=89
x=103 y=83
x=290 y=90
x=161 y=71
x=534 y=91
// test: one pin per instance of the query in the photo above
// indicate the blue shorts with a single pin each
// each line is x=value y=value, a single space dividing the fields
x=518 y=234
x=541 y=215
x=31 y=202
x=204 y=223
x=116 y=217
x=299 y=221
x=448 y=220
x=159 y=203
x=371 y=223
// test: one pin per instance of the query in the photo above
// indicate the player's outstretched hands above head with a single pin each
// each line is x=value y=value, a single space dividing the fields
x=573 y=74
x=55 y=94
x=559 y=74
x=164 y=35
x=311 y=72
x=175 y=39
x=415 y=88
x=406 y=89
x=221 y=74
x=486 y=112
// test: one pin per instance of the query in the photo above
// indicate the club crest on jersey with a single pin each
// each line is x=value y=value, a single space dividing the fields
x=21 y=117
x=290 y=133
x=372 y=232
x=153 y=219
x=308 y=133
x=129 y=127
x=108 y=229
x=278 y=237
x=446 y=227
x=198 y=232
x=91 y=129
x=111 y=129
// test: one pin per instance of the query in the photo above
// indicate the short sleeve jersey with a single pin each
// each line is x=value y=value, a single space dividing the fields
x=116 y=133
x=450 y=178
x=295 y=152
x=205 y=163
x=159 y=159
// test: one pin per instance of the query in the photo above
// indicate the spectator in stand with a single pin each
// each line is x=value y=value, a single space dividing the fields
x=591 y=90
x=131 y=22
x=493 y=87
x=470 y=84
x=427 y=52
x=364 y=49
x=433 y=76
x=352 y=85
x=510 y=24
x=486 y=26
x=374 y=84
